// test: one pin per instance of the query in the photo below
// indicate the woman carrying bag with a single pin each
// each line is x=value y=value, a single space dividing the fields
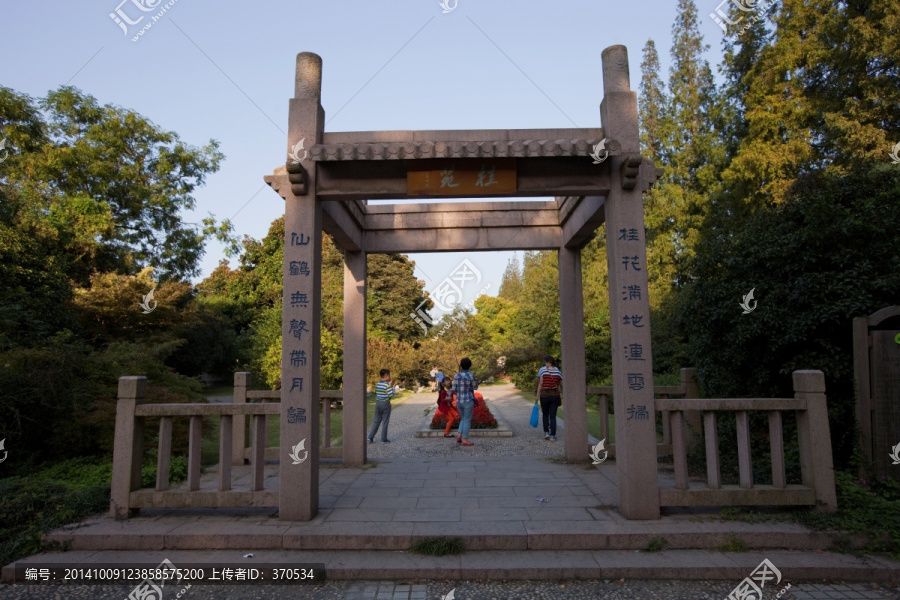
x=549 y=392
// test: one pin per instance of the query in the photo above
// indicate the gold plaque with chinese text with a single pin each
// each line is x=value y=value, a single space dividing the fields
x=463 y=177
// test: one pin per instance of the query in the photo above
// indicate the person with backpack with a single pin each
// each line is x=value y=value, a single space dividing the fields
x=445 y=405
x=549 y=390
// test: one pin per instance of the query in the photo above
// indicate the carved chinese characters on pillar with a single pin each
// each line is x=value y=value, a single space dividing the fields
x=633 y=351
x=298 y=334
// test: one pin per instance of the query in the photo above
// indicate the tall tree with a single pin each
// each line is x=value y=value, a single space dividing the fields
x=110 y=183
x=651 y=103
x=511 y=283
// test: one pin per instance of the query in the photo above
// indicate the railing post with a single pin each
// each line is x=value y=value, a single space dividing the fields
x=679 y=449
x=604 y=418
x=693 y=418
x=326 y=420
x=128 y=446
x=239 y=422
x=745 y=466
x=713 y=473
x=814 y=435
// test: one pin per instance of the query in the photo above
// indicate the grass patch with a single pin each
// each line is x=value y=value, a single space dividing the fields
x=439 y=546
x=60 y=494
x=656 y=544
x=869 y=508
x=735 y=544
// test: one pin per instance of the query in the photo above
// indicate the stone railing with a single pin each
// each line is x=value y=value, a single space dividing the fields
x=132 y=410
x=687 y=389
x=681 y=418
x=814 y=437
x=242 y=395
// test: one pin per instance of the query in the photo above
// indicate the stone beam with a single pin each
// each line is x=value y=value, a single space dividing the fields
x=463 y=215
x=450 y=240
x=386 y=179
x=339 y=222
x=582 y=221
x=458 y=135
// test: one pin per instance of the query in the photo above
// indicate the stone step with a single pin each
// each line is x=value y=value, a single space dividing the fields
x=499 y=565
x=205 y=533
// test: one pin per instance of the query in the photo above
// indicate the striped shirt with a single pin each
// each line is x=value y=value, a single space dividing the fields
x=550 y=379
x=464 y=386
x=384 y=391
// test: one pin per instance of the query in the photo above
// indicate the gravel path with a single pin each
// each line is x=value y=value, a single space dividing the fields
x=464 y=590
x=503 y=400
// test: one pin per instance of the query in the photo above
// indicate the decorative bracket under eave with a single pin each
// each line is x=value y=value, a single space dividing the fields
x=630 y=167
x=298 y=177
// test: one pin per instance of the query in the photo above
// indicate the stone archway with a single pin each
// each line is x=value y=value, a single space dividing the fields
x=326 y=183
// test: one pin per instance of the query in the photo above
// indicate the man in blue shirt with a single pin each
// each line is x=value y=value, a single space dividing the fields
x=464 y=386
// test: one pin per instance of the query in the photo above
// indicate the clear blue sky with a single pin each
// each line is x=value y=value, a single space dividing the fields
x=224 y=70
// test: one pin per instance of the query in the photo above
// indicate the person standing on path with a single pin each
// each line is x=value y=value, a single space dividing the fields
x=384 y=391
x=433 y=375
x=464 y=386
x=549 y=390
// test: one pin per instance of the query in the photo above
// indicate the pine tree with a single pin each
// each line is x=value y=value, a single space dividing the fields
x=651 y=103
x=511 y=284
x=690 y=153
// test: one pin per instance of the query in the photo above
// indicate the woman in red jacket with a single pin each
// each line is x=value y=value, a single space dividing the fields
x=445 y=404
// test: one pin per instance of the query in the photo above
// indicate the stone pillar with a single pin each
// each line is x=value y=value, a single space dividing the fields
x=301 y=309
x=814 y=436
x=693 y=418
x=571 y=333
x=354 y=427
x=239 y=422
x=626 y=253
x=127 y=446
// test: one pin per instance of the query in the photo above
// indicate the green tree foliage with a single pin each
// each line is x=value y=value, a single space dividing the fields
x=90 y=205
x=252 y=293
x=651 y=104
x=511 y=284
x=825 y=255
x=108 y=183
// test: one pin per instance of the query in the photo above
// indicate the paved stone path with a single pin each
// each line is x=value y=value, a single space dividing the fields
x=504 y=399
x=527 y=444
